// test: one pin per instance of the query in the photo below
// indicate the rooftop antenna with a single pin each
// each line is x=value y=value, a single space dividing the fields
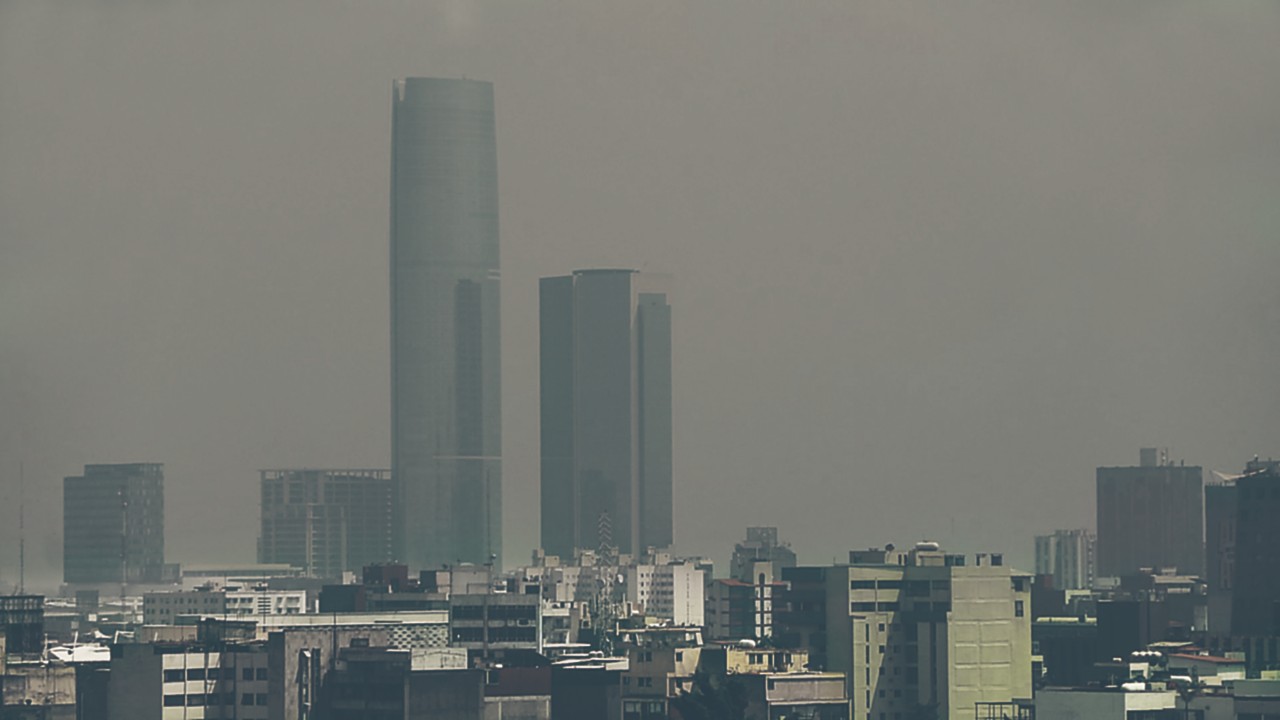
x=22 y=529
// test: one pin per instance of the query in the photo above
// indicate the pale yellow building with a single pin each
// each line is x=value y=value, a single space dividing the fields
x=928 y=629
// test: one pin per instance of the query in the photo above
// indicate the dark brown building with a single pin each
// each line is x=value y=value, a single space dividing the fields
x=1150 y=516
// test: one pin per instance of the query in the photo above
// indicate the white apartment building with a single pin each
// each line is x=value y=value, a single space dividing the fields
x=672 y=592
x=1067 y=555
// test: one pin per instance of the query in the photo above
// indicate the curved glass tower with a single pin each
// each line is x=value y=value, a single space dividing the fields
x=445 y=395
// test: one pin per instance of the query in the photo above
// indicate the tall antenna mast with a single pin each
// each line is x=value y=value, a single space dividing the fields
x=22 y=529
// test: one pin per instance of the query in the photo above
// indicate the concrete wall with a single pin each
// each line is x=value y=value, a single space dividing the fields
x=136 y=688
x=1061 y=704
x=446 y=695
x=521 y=707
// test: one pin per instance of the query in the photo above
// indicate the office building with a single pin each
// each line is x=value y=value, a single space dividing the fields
x=113 y=524
x=445 y=380
x=1220 y=504
x=21 y=624
x=1068 y=556
x=493 y=624
x=1150 y=516
x=327 y=521
x=606 y=413
x=1255 y=606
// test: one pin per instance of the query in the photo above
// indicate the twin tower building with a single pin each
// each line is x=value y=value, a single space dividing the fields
x=605 y=360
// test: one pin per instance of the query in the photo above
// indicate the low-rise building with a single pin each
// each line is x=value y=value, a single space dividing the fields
x=1107 y=703
x=810 y=695
x=490 y=624
x=189 y=681
x=164 y=608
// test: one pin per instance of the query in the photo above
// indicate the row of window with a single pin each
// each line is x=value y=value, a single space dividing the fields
x=202 y=699
x=213 y=673
x=496 y=612
x=499 y=634
x=873 y=607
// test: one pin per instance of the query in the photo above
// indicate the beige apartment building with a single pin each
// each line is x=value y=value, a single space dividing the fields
x=926 y=629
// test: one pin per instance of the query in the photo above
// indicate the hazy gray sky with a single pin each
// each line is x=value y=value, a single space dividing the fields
x=932 y=262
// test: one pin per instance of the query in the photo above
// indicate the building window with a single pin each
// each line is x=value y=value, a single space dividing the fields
x=196 y=700
x=195 y=674
x=261 y=673
x=174 y=700
x=247 y=674
x=1017 y=608
x=262 y=699
x=246 y=699
x=174 y=675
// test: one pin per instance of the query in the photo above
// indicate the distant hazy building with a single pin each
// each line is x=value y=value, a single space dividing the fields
x=1067 y=555
x=1150 y=516
x=606 y=413
x=113 y=524
x=1255 y=606
x=445 y=381
x=327 y=521
x=762 y=544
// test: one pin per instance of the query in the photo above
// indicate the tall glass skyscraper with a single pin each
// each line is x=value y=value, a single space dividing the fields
x=445 y=395
x=606 y=413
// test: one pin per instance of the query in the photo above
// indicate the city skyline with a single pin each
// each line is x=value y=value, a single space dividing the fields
x=910 y=275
